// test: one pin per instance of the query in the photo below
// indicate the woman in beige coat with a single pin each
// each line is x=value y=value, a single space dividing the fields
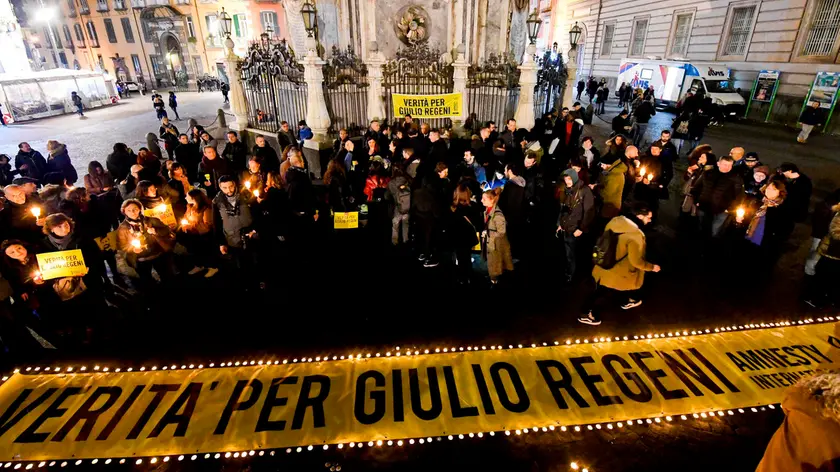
x=495 y=245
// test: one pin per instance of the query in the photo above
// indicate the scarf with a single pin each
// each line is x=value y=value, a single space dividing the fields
x=762 y=211
x=60 y=243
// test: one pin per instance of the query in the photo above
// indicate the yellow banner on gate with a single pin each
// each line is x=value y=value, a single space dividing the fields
x=61 y=264
x=274 y=405
x=445 y=105
x=346 y=220
x=164 y=213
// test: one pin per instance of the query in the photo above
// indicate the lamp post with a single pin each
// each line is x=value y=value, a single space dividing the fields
x=310 y=18
x=534 y=23
x=571 y=66
x=524 y=115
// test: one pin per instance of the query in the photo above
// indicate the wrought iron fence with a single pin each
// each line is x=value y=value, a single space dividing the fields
x=493 y=91
x=345 y=91
x=551 y=82
x=275 y=89
x=418 y=70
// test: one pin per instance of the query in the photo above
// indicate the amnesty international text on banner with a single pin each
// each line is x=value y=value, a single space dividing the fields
x=447 y=105
x=61 y=264
x=274 y=405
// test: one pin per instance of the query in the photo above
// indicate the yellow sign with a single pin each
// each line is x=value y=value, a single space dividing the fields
x=302 y=402
x=61 y=264
x=107 y=242
x=447 y=105
x=348 y=220
x=164 y=213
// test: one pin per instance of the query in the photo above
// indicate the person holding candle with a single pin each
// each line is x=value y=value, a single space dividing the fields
x=178 y=186
x=147 y=194
x=196 y=233
x=20 y=268
x=146 y=243
x=211 y=168
x=716 y=193
x=233 y=223
x=254 y=177
x=649 y=181
x=768 y=226
x=188 y=155
x=697 y=166
x=19 y=218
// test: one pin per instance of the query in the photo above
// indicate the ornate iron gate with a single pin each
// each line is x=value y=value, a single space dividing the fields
x=345 y=91
x=275 y=89
x=493 y=90
x=417 y=70
x=551 y=81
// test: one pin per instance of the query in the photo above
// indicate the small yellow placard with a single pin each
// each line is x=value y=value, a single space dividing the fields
x=61 y=264
x=348 y=220
x=445 y=105
x=164 y=213
x=107 y=242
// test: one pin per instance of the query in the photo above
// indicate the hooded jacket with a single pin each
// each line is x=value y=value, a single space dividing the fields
x=512 y=201
x=577 y=207
x=611 y=189
x=60 y=162
x=628 y=273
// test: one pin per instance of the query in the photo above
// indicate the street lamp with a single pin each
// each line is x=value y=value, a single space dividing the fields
x=574 y=35
x=309 y=13
x=534 y=24
x=225 y=22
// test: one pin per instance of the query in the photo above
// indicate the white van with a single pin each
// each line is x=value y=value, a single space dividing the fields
x=671 y=80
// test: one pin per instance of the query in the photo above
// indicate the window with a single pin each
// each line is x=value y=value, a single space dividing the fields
x=606 y=46
x=101 y=62
x=56 y=37
x=182 y=2
x=101 y=5
x=199 y=66
x=94 y=39
x=823 y=29
x=126 y=25
x=80 y=35
x=147 y=35
x=682 y=31
x=83 y=7
x=71 y=7
x=190 y=27
x=269 y=18
x=68 y=37
x=110 y=31
x=63 y=58
x=647 y=74
x=157 y=66
x=119 y=5
x=637 y=41
x=213 y=33
x=135 y=59
x=240 y=28
x=739 y=31
x=48 y=38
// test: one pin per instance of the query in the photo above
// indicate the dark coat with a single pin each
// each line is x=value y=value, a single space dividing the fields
x=119 y=164
x=811 y=116
x=231 y=222
x=577 y=209
x=215 y=169
x=717 y=192
x=270 y=161
x=286 y=138
x=60 y=162
x=512 y=201
x=189 y=156
x=237 y=155
x=301 y=192
x=644 y=111
x=798 y=197
x=35 y=162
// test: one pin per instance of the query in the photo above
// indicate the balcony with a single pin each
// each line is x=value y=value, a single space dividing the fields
x=120 y=5
x=102 y=6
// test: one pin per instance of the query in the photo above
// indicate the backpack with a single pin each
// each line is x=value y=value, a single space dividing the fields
x=603 y=255
x=403 y=199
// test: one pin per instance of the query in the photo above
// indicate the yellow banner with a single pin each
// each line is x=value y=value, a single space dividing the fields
x=290 y=403
x=107 y=242
x=164 y=213
x=348 y=220
x=61 y=264
x=446 y=105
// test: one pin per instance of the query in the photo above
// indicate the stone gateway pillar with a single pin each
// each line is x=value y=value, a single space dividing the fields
x=459 y=76
x=375 y=101
x=237 y=92
x=524 y=115
x=317 y=116
x=571 y=79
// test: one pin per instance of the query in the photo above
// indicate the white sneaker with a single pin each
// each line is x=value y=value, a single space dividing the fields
x=195 y=270
x=631 y=304
x=211 y=272
x=589 y=319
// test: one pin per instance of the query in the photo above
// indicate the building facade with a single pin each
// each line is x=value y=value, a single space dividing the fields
x=797 y=37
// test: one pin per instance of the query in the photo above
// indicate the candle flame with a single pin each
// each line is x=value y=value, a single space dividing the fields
x=650 y=176
x=257 y=193
x=135 y=243
x=642 y=171
x=248 y=184
x=36 y=211
x=740 y=212
x=184 y=222
x=160 y=208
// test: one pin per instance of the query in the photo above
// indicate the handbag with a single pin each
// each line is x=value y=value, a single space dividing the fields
x=477 y=244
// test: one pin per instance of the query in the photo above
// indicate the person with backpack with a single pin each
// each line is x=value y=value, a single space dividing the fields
x=399 y=193
x=577 y=211
x=620 y=264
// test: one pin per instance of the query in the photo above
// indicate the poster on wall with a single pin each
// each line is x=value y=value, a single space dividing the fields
x=765 y=85
x=824 y=89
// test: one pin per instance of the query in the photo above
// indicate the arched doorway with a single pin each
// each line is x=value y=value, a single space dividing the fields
x=173 y=57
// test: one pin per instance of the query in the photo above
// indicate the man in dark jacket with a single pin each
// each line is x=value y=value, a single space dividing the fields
x=120 y=161
x=270 y=161
x=211 y=169
x=169 y=134
x=718 y=191
x=799 y=188
x=620 y=124
x=301 y=200
x=285 y=137
x=234 y=226
x=577 y=212
x=428 y=204
x=30 y=162
x=653 y=172
x=643 y=113
x=810 y=118
x=187 y=154
x=421 y=148
x=236 y=153
x=580 y=86
x=508 y=137
x=513 y=205
x=438 y=152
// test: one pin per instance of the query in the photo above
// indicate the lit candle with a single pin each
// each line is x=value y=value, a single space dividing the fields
x=642 y=171
x=650 y=176
x=36 y=275
x=248 y=184
x=135 y=243
x=36 y=211
x=160 y=208
x=184 y=222
x=740 y=212
x=257 y=193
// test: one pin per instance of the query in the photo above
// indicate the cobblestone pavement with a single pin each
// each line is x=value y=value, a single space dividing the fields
x=93 y=138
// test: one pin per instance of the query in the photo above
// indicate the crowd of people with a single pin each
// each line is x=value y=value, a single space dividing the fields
x=197 y=206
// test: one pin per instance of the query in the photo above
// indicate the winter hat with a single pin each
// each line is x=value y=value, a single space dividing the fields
x=573 y=174
x=763 y=169
x=751 y=157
